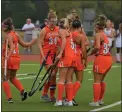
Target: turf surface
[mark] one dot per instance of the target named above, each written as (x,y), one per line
(84,96)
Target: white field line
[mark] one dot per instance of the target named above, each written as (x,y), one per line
(105,107)
(27,74)
(56,78)
(31,64)
(98,109)
(90,79)
(34,73)
(24,78)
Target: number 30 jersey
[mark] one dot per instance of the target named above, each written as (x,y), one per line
(50,40)
(104,46)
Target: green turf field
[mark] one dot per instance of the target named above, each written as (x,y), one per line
(84,96)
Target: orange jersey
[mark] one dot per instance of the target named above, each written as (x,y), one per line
(70,48)
(78,61)
(104,46)
(68,56)
(78,47)
(103,60)
(15,42)
(14,60)
(50,40)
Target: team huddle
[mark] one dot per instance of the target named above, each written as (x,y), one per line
(68,44)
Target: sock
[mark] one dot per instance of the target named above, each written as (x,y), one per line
(97,91)
(103,86)
(7,90)
(76,87)
(118,57)
(60,88)
(17,84)
(69,91)
(52,90)
(46,87)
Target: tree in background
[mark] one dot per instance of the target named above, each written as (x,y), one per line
(112,9)
(20,10)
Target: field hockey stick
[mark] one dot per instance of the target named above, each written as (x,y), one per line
(38,74)
(5,69)
(48,78)
(53,62)
(89,49)
(34,90)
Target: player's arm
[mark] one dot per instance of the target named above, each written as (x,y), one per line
(87,40)
(83,47)
(11,45)
(25,44)
(62,35)
(97,45)
(41,41)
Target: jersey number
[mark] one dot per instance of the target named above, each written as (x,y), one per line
(14,52)
(72,44)
(106,48)
(52,41)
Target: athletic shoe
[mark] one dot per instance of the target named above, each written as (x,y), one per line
(70,103)
(65,101)
(94,104)
(58,103)
(23,95)
(9,100)
(74,102)
(101,102)
(45,97)
(52,99)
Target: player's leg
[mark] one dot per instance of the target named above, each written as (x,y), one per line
(46,87)
(103,87)
(118,54)
(96,89)
(17,84)
(100,70)
(69,86)
(77,84)
(60,85)
(6,86)
(53,85)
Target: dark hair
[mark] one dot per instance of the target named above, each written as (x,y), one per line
(8,23)
(100,21)
(76,23)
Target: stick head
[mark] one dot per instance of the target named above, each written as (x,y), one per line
(30,94)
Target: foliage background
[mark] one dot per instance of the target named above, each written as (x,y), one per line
(20,10)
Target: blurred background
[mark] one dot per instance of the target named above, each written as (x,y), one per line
(20,10)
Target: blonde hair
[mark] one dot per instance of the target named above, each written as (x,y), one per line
(52,14)
(101,21)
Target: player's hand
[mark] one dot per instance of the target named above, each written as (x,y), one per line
(85,63)
(43,58)
(59,57)
(7,57)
